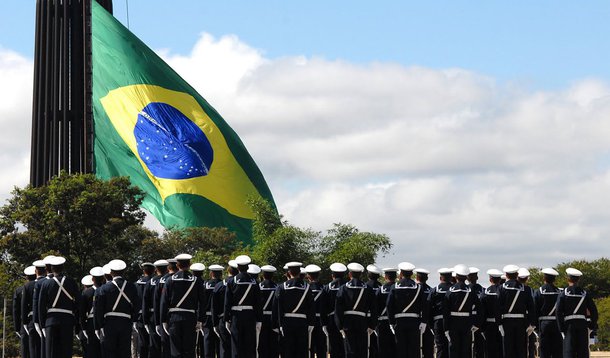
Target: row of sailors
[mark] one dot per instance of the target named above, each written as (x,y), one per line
(176,313)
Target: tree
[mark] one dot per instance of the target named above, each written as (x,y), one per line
(595,279)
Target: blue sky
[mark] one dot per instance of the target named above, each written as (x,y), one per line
(545,44)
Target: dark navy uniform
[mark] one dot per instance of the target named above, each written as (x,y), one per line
(58,304)
(435,303)
(92,347)
(143,336)
(211,343)
(165,346)
(373,347)
(35,309)
(489,305)
(461,310)
(218,317)
(115,308)
(574,305)
(181,308)
(268,341)
(479,341)
(336,347)
(318,338)
(27,317)
(531,338)
(242,309)
(385,338)
(545,299)
(293,313)
(148,316)
(428,335)
(355,314)
(515,313)
(407,309)
(18,324)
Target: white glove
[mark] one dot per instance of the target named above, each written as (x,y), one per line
(166,328)
(276,330)
(85,334)
(216,331)
(501,329)
(198,326)
(259,325)
(325,330)
(159,330)
(422,328)
(474,329)
(25,327)
(282,331)
(147,329)
(370,331)
(392,329)
(44,334)
(98,333)
(228,326)
(37,327)
(448,336)
(135,328)
(309,329)
(342,333)
(530,329)
(563,335)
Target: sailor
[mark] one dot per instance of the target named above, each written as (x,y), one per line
(115,312)
(92,347)
(35,297)
(516,314)
(373,273)
(143,338)
(294,313)
(318,338)
(427,349)
(148,311)
(218,316)
(460,317)
(197,269)
(81,335)
(479,341)
(574,305)
(21,325)
(254,270)
(165,346)
(407,312)
(268,339)
(242,310)
(385,338)
(107,274)
(58,304)
(27,319)
(356,313)
(523,276)
(302,273)
(334,340)
(211,343)
(489,304)
(182,309)
(545,300)
(435,303)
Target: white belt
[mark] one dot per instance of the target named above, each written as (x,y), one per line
(332,313)
(267,313)
(295,315)
(575,316)
(382,318)
(547,318)
(355,313)
(117,314)
(318,315)
(513,315)
(140,312)
(406,314)
(151,310)
(492,320)
(176,309)
(241,308)
(437,317)
(208,313)
(460,314)
(60,310)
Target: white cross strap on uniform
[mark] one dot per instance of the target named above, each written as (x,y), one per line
(302,299)
(582,299)
(315,299)
(121,294)
(514,301)
(243,298)
(268,300)
(60,290)
(414,299)
(464,300)
(187,293)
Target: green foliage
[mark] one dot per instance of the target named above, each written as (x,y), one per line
(595,279)
(603,332)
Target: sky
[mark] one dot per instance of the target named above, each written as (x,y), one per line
(469,132)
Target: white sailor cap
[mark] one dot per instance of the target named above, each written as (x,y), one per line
(268,268)
(243,260)
(117,265)
(550,271)
(473,270)
(183,257)
(373,269)
(232,263)
(511,269)
(146,264)
(253,269)
(573,272)
(503,277)
(171,261)
(389,269)
(87,280)
(161,263)
(47,259)
(284,267)
(355,267)
(338,267)
(106,269)
(39,263)
(293,264)
(302,270)
(494,273)
(57,261)
(445,270)
(523,272)
(312,268)
(97,271)
(29,271)
(461,270)
(198,266)
(421,271)
(406,266)
(215,267)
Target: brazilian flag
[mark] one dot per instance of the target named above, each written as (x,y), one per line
(153,127)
